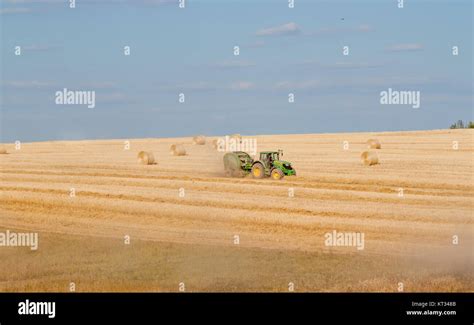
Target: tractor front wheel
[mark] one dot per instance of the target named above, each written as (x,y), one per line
(258,171)
(277,174)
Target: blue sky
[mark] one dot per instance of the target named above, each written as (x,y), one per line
(190,51)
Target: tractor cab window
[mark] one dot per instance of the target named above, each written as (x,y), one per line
(269,157)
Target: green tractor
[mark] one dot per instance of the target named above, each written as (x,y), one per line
(239,163)
(270,164)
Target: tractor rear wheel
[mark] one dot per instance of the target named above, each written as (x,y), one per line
(277,174)
(258,171)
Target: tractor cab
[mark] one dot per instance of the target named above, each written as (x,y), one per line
(268,157)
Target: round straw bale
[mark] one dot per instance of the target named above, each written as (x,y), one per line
(177,150)
(369,158)
(199,139)
(373,144)
(3,151)
(146,158)
(232,165)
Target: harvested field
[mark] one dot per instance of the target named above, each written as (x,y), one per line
(183,216)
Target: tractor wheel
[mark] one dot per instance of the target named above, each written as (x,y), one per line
(277,174)
(258,171)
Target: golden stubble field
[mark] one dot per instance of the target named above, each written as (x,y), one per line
(191,239)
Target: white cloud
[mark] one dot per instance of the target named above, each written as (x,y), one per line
(242,85)
(34,1)
(352,65)
(286,29)
(202,86)
(256,44)
(103,2)
(324,30)
(101,85)
(188,86)
(39,47)
(112,98)
(28,84)
(41,84)
(405,47)
(158,2)
(361,83)
(363,28)
(14,10)
(298,85)
(235,64)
